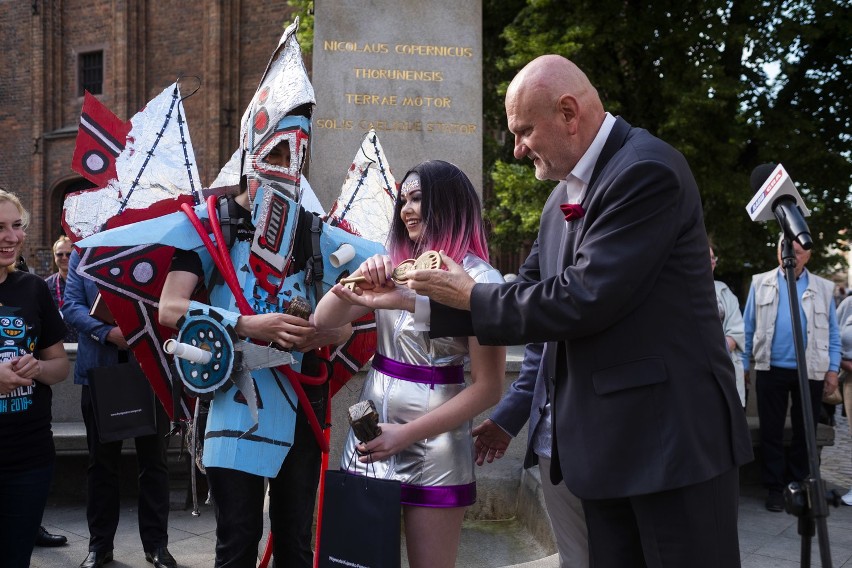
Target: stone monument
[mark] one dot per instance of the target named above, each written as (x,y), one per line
(409,69)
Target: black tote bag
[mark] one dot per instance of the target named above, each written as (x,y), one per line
(123,402)
(360,522)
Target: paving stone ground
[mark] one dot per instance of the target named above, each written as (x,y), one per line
(767,540)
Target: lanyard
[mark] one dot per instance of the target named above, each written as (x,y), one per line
(59,299)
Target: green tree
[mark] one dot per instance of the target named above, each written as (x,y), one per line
(699,75)
(512,204)
(305,10)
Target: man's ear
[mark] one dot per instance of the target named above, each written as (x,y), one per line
(569,108)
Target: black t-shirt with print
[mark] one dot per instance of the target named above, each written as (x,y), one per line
(29,321)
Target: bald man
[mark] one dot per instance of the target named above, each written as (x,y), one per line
(647,425)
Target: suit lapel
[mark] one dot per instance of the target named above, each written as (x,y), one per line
(564,248)
(613,144)
(552,233)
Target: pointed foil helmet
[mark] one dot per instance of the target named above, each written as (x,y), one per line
(276,126)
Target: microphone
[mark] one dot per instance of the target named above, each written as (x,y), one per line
(776,195)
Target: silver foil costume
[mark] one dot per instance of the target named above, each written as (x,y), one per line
(436,472)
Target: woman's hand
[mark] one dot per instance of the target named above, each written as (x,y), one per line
(391,297)
(27,367)
(390,442)
(343,305)
(10,380)
(377,270)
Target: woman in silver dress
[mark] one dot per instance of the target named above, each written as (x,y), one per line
(417,383)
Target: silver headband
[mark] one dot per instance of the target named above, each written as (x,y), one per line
(411,183)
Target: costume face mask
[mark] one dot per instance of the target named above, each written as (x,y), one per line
(278,156)
(275,131)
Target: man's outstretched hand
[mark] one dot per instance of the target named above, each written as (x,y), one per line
(451,287)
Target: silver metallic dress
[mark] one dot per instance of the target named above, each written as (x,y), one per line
(411,375)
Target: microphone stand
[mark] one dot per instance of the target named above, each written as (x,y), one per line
(808,500)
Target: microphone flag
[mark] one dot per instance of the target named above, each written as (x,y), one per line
(777,184)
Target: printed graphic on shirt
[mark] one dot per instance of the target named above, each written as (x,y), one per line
(15,340)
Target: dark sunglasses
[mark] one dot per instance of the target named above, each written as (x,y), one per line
(68,254)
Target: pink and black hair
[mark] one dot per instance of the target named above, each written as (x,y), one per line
(451,216)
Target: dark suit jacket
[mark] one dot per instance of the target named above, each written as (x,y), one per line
(644,393)
(524,400)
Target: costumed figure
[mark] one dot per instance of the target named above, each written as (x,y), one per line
(264,261)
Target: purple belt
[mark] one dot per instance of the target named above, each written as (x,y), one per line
(449,375)
(438,495)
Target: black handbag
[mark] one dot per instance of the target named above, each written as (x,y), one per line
(123,402)
(360,522)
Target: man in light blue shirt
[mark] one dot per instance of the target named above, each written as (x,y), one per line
(771,352)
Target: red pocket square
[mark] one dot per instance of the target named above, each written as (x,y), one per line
(572,211)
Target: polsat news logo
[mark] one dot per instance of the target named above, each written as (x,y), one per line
(767,191)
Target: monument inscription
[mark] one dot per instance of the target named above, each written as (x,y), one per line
(411,71)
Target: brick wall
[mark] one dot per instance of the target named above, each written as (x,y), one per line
(147,46)
(16,101)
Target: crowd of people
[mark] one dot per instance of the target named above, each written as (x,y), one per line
(635,401)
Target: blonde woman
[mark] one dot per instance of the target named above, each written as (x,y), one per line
(32,358)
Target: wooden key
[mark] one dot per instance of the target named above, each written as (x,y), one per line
(399,273)
(430,260)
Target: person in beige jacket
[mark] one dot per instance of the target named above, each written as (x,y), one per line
(770,351)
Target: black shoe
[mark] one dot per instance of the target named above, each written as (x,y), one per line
(96,559)
(775,502)
(161,558)
(44,538)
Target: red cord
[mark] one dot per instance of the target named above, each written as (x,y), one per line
(323,468)
(226,268)
(267,552)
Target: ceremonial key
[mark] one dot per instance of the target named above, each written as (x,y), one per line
(429,260)
(350,282)
(400,272)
